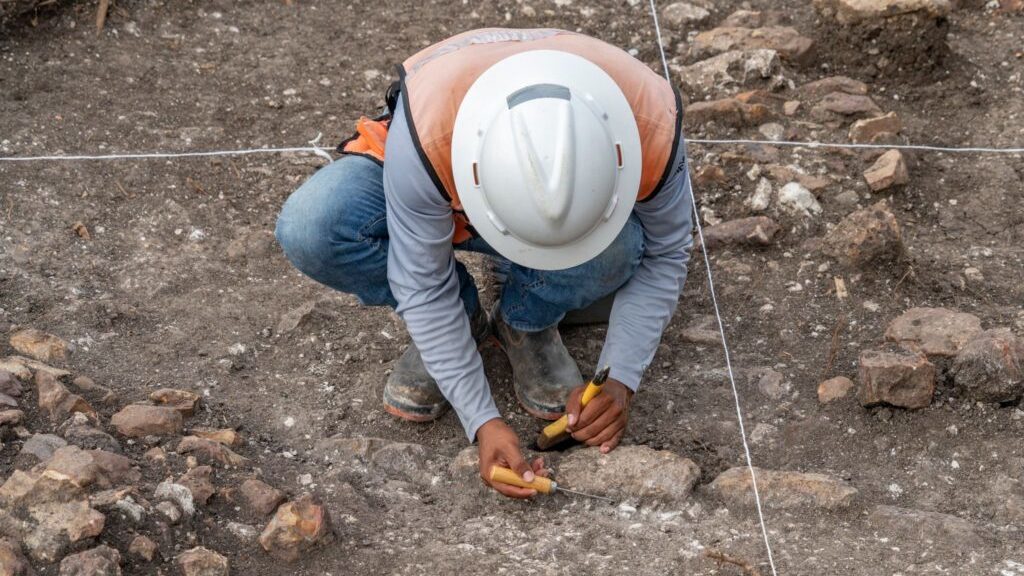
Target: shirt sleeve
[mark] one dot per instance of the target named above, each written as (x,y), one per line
(644,306)
(421,272)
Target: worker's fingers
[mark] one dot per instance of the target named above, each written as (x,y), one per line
(606,434)
(613,443)
(515,461)
(514,491)
(538,467)
(611,413)
(593,409)
(572,406)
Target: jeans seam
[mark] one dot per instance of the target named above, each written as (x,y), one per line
(363,234)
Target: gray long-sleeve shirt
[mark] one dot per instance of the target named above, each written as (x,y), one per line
(421,271)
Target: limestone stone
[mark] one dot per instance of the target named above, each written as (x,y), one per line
(259,497)
(39,345)
(630,472)
(933,331)
(136,420)
(890,169)
(734,68)
(201,561)
(864,237)
(98,561)
(782,489)
(990,367)
(870,130)
(834,389)
(787,41)
(798,200)
(753,231)
(904,379)
(296,527)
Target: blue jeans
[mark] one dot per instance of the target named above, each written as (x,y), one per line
(334,230)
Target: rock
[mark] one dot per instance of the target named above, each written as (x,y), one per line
(200,561)
(834,389)
(155,455)
(11,417)
(933,331)
(105,500)
(465,467)
(703,331)
(941,530)
(296,527)
(753,19)
(142,548)
(86,385)
(871,130)
(889,170)
(404,460)
(846,198)
(58,525)
(771,383)
(39,448)
(905,379)
(9,384)
(846,105)
(136,420)
(177,494)
(55,399)
(259,497)
(730,69)
(782,489)
(83,468)
(710,175)
(37,487)
(199,483)
(81,434)
(727,111)
(12,561)
(7,401)
(856,11)
(762,196)
(183,401)
(249,244)
(865,237)
(753,231)
(131,509)
(990,367)
(243,532)
(630,472)
(680,14)
(796,199)
(783,39)
(226,436)
(40,345)
(819,88)
(772,131)
(98,561)
(790,107)
(170,511)
(210,452)
(14,366)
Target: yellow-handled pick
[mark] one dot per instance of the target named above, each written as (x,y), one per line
(554,433)
(540,484)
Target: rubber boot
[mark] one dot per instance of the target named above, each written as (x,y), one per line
(543,372)
(410,392)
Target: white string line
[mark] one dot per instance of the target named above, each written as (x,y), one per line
(954,149)
(721,330)
(142,155)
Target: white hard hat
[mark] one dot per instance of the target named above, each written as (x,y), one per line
(546,158)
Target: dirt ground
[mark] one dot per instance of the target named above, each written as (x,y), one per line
(182,285)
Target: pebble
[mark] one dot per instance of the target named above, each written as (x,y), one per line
(865,237)
(296,527)
(834,389)
(260,498)
(990,367)
(142,548)
(170,511)
(797,199)
(772,131)
(762,196)
(200,561)
(933,331)
(889,170)
(782,489)
(871,130)
(183,401)
(904,379)
(137,420)
(244,532)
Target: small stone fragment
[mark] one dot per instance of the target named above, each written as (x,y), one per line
(753,231)
(856,11)
(727,111)
(210,451)
(834,389)
(137,420)
(865,237)
(823,86)
(183,401)
(12,561)
(178,494)
(200,561)
(870,129)
(889,170)
(9,384)
(990,367)
(630,472)
(39,345)
(904,379)
(846,105)
(199,483)
(684,14)
(259,497)
(169,511)
(55,399)
(296,527)
(771,383)
(99,561)
(142,548)
(790,107)
(796,199)
(244,532)
(226,436)
(789,43)
(933,331)
(156,455)
(782,489)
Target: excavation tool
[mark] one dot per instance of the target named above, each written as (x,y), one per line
(555,433)
(540,484)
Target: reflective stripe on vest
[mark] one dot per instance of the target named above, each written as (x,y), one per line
(436,79)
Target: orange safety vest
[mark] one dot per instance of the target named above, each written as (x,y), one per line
(436,79)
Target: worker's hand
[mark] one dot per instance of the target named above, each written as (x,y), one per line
(603,421)
(499,446)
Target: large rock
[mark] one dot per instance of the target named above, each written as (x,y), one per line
(920,527)
(904,379)
(630,472)
(98,561)
(856,11)
(990,367)
(12,561)
(865,237)
(933,331)
(728,112)
(39,448)
(137,420)
(789,43)
(876,129)
(56,400)
(735,68)
(83,468)
(296,527)
(58,525)
(259,497)
(782,489)
(39,345)
(890,169)
(201,561)
(754,231)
